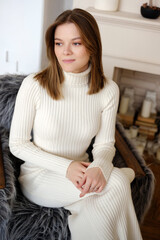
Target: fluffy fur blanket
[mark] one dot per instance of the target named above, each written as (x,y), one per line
(23,220)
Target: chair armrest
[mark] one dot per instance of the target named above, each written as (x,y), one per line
(128,155)
(2,175)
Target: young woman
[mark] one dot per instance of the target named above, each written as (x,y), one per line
(66,105)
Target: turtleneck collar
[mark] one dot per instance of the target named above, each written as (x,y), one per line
(77,79)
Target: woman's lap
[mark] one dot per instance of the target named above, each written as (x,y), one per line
(52,190)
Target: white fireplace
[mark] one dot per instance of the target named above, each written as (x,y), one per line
(129,41)
(131,47)
(131,57)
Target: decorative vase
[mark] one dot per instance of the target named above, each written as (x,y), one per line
(106,5)
(149,12)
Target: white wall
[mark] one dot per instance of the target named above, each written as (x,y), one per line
(22,27)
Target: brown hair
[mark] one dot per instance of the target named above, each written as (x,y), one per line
(52,77)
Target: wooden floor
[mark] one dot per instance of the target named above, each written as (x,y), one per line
(151,225)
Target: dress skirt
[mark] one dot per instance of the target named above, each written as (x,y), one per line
(108,215)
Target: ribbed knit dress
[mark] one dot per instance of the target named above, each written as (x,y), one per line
(62,131)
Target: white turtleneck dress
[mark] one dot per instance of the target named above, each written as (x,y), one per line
(62,132)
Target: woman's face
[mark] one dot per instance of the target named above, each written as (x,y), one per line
(71,54)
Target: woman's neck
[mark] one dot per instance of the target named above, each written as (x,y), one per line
(77,79)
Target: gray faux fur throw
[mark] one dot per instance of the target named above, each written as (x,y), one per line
(9,86)
(23,220)
(19,218)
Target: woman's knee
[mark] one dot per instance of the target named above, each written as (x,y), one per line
(119,182)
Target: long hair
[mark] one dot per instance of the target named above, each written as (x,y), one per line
(52,77)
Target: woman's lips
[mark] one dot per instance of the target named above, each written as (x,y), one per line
(68,60)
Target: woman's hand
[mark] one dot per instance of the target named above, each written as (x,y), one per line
(76,171)
(92,181)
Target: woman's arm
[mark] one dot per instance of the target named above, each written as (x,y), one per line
(103,148)
(99,170)
(27,103)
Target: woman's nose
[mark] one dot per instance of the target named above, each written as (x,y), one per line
(67,50)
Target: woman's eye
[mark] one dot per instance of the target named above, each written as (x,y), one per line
(58,44)
(77,44)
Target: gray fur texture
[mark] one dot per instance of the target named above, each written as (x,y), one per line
(7,195)
(23,220)
(19,218)
(9,86)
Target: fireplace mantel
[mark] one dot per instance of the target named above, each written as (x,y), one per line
(129,41)
(126,19)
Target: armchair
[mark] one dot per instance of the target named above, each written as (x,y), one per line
(23,220)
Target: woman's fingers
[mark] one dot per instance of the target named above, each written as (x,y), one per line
(95,181)
(82,166)
(86,188)
(93,189)
(80,175)
(86,164)
(75,170)
(86,180)
(82,182)
(99,189)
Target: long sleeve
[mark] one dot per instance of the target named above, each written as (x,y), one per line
(103,148)
(27,103)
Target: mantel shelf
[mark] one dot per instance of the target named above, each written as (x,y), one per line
(126,19)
